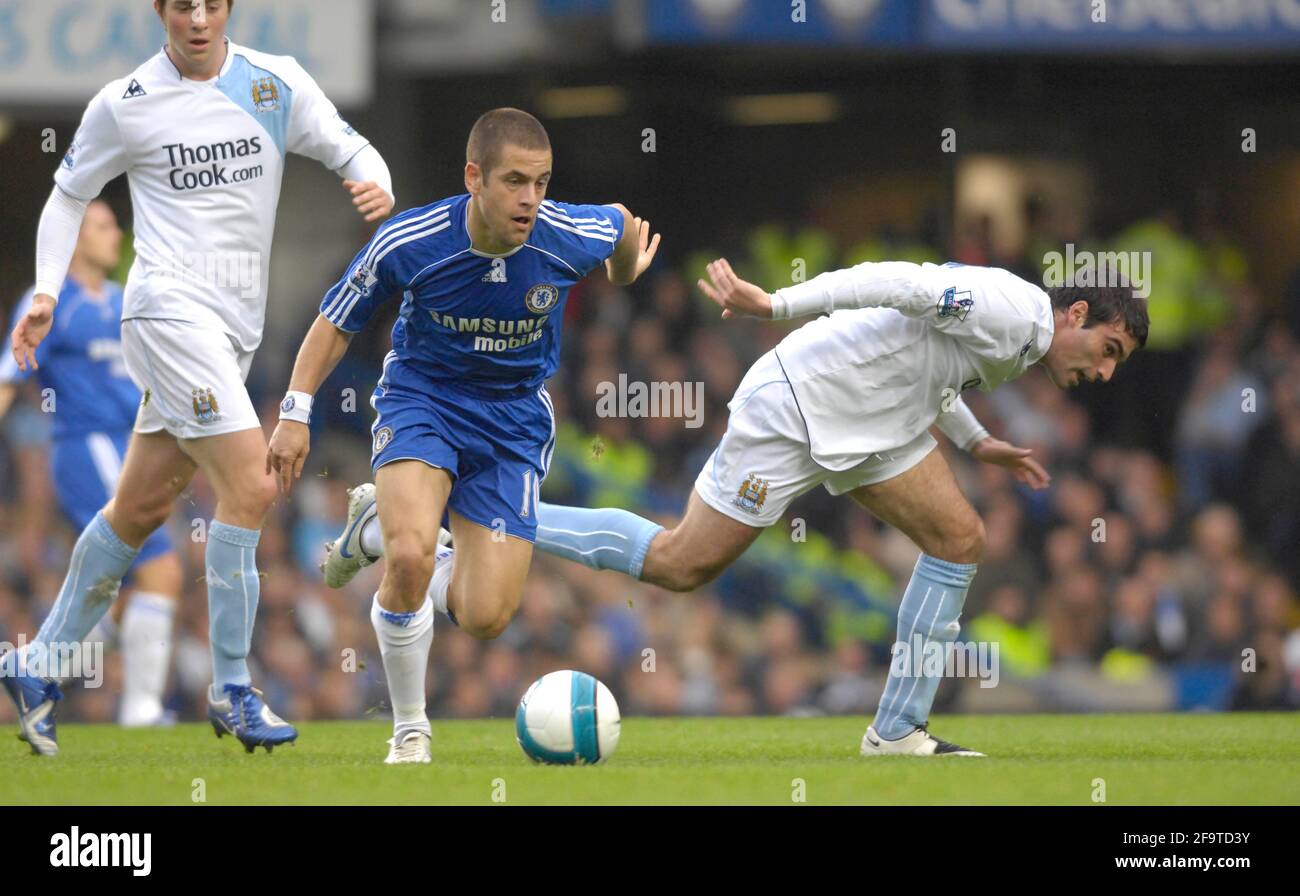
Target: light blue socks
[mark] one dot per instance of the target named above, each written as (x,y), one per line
(927,624)
(233,588)
(99,561)
(602,539)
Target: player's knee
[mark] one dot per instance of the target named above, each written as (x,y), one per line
(692,573)
(261,495)
(134,517)
(409,560)
(485,629)
(965,545)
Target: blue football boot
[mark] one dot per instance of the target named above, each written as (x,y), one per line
(242,712)
(35,698)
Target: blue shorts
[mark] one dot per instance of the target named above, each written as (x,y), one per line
(497,450)
(85,470)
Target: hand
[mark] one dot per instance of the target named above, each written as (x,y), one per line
(645,247)
(1017,460)
(371,200)
(31,330)
(736,296)
(287,452)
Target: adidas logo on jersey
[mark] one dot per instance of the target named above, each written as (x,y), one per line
(498,272)
(133,90)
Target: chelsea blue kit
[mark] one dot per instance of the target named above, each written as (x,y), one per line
(91,400)
(476,338)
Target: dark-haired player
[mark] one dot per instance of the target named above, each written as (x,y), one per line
(463,421)
(846,401)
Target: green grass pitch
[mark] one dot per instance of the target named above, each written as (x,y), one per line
(1039,759)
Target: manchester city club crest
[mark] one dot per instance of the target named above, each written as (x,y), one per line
(752,493)
(205,405)
(542,298)
(383,436)
(266,95)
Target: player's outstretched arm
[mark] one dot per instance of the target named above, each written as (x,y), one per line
(321,351)
(736,296)
(634,252)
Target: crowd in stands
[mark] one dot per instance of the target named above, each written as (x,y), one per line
(1167,544)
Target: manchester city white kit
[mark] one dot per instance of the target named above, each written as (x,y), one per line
(847,399)
(204,160)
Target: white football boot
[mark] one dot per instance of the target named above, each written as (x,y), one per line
(919,743)
(415,747)
(344,557)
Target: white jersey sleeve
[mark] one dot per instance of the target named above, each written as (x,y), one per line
(991,312)
(316,130)
(97,154)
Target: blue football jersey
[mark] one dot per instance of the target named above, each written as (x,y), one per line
(489,324)
(81,360)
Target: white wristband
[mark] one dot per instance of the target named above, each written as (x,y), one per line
(780,308)
(296,407)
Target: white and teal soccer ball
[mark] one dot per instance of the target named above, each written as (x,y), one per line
(567,718)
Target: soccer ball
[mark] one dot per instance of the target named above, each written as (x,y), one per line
(567,718)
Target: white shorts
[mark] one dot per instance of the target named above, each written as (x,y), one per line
(763,461)
(192,378)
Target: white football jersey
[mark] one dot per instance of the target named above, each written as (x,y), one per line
(204,161)
(875,377)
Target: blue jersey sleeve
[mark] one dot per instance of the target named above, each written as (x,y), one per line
(588,233)
(9,371)
(371,280)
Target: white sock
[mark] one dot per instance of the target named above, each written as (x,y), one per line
(404,642)
(441,580)
(372,538)
(146,653)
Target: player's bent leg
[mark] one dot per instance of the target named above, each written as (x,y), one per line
(410,496)
(599,538)
(486,578)
(146,638)
(698,549)
(153,474)
(925,503)
(683,558)
(235,464)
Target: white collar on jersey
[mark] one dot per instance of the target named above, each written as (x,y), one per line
(225,66)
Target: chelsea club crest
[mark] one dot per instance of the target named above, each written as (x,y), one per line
(542,298)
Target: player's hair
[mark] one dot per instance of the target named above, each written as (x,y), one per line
(1106,305)
(498,128)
